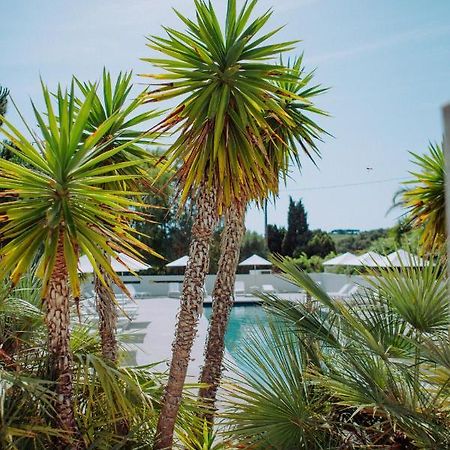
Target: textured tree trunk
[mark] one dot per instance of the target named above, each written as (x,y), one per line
(58,322)
(107,316)
(107,328)
(223,298)
(191,304)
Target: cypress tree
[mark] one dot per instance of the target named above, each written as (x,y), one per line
(3,102)
(275,237)
(297,234)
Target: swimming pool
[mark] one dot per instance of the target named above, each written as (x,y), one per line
(243,319)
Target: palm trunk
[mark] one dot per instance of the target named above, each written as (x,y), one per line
(223,298)
(191,303)
(107,316)
(58,322)
(107,329)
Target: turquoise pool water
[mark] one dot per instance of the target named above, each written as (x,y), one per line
(240,326)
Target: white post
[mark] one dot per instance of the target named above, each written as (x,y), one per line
(446,117)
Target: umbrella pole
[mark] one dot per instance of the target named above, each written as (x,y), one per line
(446,117)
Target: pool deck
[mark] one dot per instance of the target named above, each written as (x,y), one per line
(154,326)
(161,312)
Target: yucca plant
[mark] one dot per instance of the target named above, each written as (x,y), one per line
(56,210)
(226,79)
(105,396)
(204,439)
(423,196)
(285,142)
(113,102)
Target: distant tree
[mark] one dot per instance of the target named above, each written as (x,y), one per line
(253,243)
(400,235)
(359,242)
(400,231)
(275,238)
(3,107)
(5,144)
(3,102)
(384,245)
(179,233)
(313,264)
(321,244)
(168,231)
(297,234)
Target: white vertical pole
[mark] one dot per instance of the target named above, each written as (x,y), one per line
(446,117)
(266,230)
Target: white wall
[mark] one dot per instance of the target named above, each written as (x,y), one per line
(158,285)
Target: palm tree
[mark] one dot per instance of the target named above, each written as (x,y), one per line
(228,87)
(55,210)
(370,371)
(113,103)
(423,196)
(102,392)
(284,146)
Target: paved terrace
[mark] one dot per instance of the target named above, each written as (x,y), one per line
(153,313)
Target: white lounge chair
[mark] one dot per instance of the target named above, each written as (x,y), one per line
(342,291)
(121,297)
(353,291)
(347,290)
(126,304)
(268,289)
(131,289)
(174,290)
(239,288)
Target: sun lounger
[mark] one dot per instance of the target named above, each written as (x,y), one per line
(136,325)
(353,291)
(268,289)
(342,292)
(131,289)
(346,291)
(239,288)
(129,358)
(174,290)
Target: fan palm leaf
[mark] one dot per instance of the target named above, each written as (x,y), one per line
(274,405)
(385,370)
(417,295)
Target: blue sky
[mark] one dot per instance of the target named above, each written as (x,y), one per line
(387,64)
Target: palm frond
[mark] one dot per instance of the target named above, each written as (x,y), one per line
(378,359)
(423,196)
(274,405)
(53,189)
(228,84)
